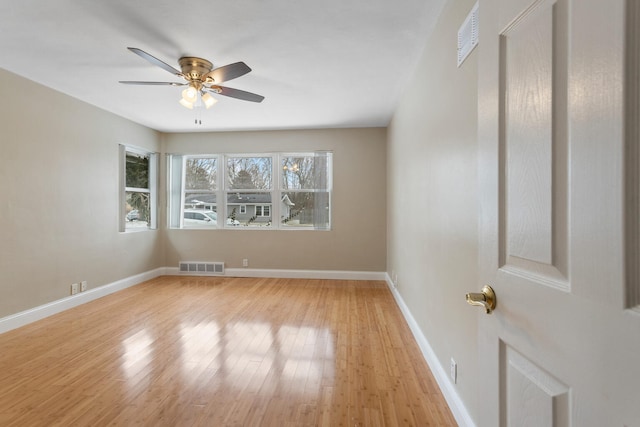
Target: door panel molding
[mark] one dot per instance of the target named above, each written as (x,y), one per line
(534,145)
(532,395)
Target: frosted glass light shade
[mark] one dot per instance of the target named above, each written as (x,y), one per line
(190,94)
(186,104)
(208,100)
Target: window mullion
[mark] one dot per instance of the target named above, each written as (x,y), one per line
(153,191)
(275,191)
(183,181)
(122,211)
(221,197)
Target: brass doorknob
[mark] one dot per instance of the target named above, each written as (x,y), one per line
(486,299)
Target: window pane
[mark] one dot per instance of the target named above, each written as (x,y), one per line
(136,170)
(305,209)
(257,209)
(200,174)
(249,173)
(138,210)
(304,172)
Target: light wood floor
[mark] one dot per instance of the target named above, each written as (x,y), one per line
(179,351)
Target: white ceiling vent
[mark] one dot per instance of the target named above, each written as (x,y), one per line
(201,268)
(468,35)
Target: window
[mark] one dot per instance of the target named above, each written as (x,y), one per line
(138,198)
(200,178)
(263,210)
(258,191)
(200,191)
(193,185)
(305,190)
(249,182)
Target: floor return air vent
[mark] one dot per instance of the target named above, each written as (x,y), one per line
(201,268)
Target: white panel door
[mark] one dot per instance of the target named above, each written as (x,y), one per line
(559,218)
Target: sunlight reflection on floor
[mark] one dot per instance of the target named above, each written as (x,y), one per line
(247,354)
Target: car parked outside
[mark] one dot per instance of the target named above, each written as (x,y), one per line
(203,218)
(133,215)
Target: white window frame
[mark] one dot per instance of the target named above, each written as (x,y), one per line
(152,190)
(328,190)
(176,190)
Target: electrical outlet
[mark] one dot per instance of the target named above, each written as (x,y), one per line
(454,371)
(74,288)
(83,286)
(395,280)
(245,262)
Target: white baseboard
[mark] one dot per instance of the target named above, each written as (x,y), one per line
(37,313)
(294,274)
(456,405)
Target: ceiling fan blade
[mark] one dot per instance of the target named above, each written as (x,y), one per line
(155,61)
(239,94)
(227,72)
(129,82)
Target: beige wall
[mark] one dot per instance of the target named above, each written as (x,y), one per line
(357,240)
(432,241)
(59,200)
(59,197)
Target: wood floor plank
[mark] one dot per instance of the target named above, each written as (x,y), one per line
(203,351)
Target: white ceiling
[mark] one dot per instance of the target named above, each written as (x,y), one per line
(335,63)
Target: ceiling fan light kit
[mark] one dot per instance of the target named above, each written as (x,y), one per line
(201,79)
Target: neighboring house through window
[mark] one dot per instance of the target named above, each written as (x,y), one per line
(249,182)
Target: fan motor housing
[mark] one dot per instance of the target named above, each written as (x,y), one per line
(194,67)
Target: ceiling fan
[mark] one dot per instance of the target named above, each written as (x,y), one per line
(200,78)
